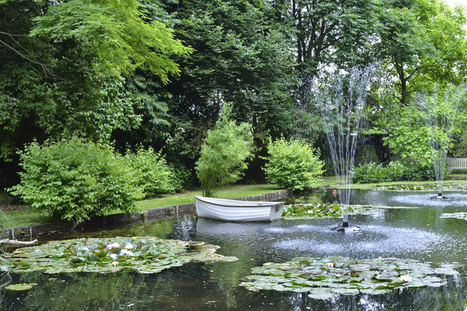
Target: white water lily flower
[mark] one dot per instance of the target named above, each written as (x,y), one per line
(112,245)
(129,253)
(129,246)
(113,256)
(115,263)
(405,278)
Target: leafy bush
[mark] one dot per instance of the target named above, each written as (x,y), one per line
(181,176)
(155,176)
(394,171)
(76,179)
(375,172)
(418,172)
(224,153)
(293,165)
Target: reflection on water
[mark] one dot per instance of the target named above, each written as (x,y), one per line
(416,233)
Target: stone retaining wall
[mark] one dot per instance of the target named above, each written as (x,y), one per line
(32,232)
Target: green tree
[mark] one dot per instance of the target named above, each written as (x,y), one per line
(293,165)
(423,43)
(420,132)
(241,56)
(326,33)
(120,33)
(62,65)
(224,152)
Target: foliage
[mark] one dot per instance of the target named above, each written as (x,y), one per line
(423,43)
(324,278)
(224,152)
(315,210)
(293,165)
(408,136)
(61,71)
(242,56)
(375,172)
(148,255)
(365,154)
(76,179)
(155,175)
(327,32)
(394,171)
(120,34)
(181,177)
(460,149)
(406,187)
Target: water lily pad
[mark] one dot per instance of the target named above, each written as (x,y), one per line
(325,277)
(20,287)
(321,294)
(144,255)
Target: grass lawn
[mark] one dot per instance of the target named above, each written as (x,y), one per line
(19,215)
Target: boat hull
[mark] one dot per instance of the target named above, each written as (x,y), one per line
(236,210)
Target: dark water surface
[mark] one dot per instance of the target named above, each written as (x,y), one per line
(417,233)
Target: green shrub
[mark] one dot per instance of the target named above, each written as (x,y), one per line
(368,173)
(224,153)
(76,179)
(293,165)
(155,175)
(181,177)
(419,172)
(394,171)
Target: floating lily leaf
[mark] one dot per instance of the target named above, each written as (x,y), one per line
(374,291)
(325,277)
(143,255)
(346,291)
(446,270)
(20,287)
(321,294)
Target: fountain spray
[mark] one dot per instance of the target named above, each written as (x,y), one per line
(440,114)
(342,101)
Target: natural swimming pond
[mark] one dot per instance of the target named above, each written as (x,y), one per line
(414,232)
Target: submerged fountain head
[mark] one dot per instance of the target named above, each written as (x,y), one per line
(346,228)
(440,196)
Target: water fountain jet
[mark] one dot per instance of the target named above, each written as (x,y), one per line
(440,114)
(342,104)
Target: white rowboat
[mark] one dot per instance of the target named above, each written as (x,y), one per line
(236,210)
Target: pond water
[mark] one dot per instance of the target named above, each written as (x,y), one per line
(416,233)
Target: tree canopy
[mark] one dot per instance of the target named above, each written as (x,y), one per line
(155,73)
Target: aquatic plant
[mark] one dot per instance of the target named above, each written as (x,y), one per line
(146,255)
(323,210)
(323,278)
(313,210)
(406,187)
